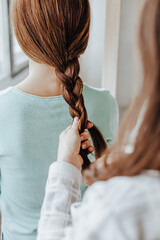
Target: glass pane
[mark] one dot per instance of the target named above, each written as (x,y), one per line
(1,40)
(4,41)
(19,57)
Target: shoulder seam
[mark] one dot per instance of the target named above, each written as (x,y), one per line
(102,90)
(5,91)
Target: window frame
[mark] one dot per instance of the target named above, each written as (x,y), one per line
(110,64)
(5,36)
(13,70)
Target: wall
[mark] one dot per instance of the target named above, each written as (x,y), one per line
(92,59)
(129,77)
(111,58)
(112,31)
(126,52)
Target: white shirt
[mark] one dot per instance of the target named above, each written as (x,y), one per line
(123,208)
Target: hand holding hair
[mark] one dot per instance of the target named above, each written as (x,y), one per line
(70,143)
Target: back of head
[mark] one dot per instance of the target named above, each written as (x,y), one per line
(56,33)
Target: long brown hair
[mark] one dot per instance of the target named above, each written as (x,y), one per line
(137,151)
(56,32)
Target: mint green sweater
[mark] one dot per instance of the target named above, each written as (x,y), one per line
(29,132)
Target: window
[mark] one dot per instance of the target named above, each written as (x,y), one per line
(18,59)
(12,58)
(4,44)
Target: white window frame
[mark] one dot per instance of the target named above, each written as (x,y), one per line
(12,69)
(110,64)
(5,38)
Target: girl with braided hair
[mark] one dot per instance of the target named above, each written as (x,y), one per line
(53,34)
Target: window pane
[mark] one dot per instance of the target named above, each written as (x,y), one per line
(19,57)
(19,60)
(4,44)
(1,41)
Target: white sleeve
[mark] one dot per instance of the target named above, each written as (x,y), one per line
(94,218)
(62,189)
(109,210)
(64,217)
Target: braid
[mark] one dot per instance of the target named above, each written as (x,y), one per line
(72,93)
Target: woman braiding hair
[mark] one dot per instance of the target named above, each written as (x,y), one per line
(59,47)
(124,201)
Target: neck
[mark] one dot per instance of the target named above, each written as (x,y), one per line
(42,81)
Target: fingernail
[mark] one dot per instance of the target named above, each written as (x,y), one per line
(87,173)
(83,145)
(82,138)
(76,119)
